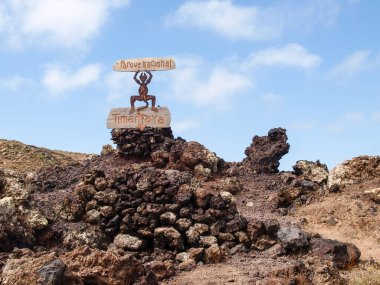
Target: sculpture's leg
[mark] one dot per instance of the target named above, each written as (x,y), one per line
(133,100)
(153,98)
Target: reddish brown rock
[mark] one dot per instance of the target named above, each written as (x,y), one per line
(255,229)
(192,154)
(341,254)
(168,237)
(265,152)
(356,170)
(161,269)
(313,171)
(213,254)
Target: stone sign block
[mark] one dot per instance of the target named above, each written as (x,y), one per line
(141,64)
(121,118)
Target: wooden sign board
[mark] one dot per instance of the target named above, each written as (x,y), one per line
(141,64)
(120,118)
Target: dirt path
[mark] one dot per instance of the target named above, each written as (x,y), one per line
(348,216)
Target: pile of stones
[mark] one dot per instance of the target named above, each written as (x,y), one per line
(142,142)
(143,210)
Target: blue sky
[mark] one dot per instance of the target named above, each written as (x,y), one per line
(243,67)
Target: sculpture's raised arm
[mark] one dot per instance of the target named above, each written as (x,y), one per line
(135,78)
(150,77)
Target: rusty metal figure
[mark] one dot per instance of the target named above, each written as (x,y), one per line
(143,92)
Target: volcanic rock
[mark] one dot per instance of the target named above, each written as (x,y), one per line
(36,220)
(84,236)
(201,172)
(313,171)
(161,269)
(213,254)
(182,256)
(293,238)
(144,142)
(183,224)
(192,154)
(207,241)
(3,182)
(196,253)
(168,218)
(7,208)
(52,272)
(13,185)
(168,237)
(187,265)
(311,270)
(230,184)
(93,216)
(128,242)
(341,254)
(265,152)
(255,229)
(356,170)
(271,227)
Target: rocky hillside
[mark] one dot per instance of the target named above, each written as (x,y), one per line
(23,158)
(160,210)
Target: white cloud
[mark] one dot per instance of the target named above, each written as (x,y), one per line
(290,55)
(204,84)
(353,64)
(68,23)
(234,21)
(58,80)
(223,17)
(119,86)
(194,82)
(185,125)
(12,83)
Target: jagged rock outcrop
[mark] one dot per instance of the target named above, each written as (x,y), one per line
(265,152)
(354,171)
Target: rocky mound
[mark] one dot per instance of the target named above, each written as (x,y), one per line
(356,170)
(143,209)
(155,206)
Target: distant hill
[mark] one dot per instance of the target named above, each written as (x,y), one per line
(24,158)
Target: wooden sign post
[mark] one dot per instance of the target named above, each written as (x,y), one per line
(157,117)
(141,64)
